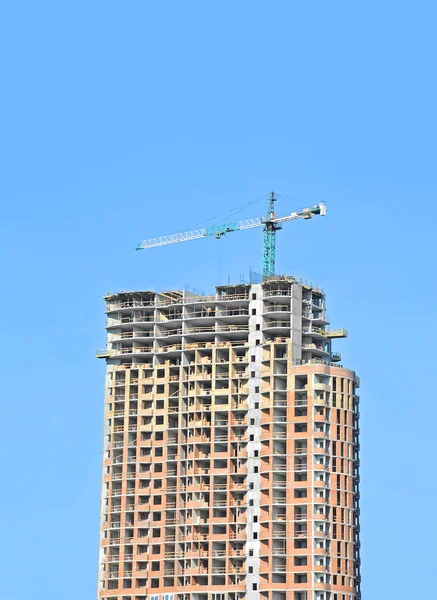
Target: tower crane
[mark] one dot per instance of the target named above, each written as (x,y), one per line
(270,222)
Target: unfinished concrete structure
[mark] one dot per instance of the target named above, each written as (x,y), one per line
(230,462)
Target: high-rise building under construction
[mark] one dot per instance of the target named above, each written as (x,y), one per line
(230,461)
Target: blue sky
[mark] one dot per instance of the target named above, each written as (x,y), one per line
(127,120)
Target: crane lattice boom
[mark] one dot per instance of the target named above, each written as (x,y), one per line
(214,231)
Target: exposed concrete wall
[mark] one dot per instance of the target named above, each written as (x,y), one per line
(254,416)
(296,321)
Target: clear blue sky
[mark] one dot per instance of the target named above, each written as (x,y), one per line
(127,120)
